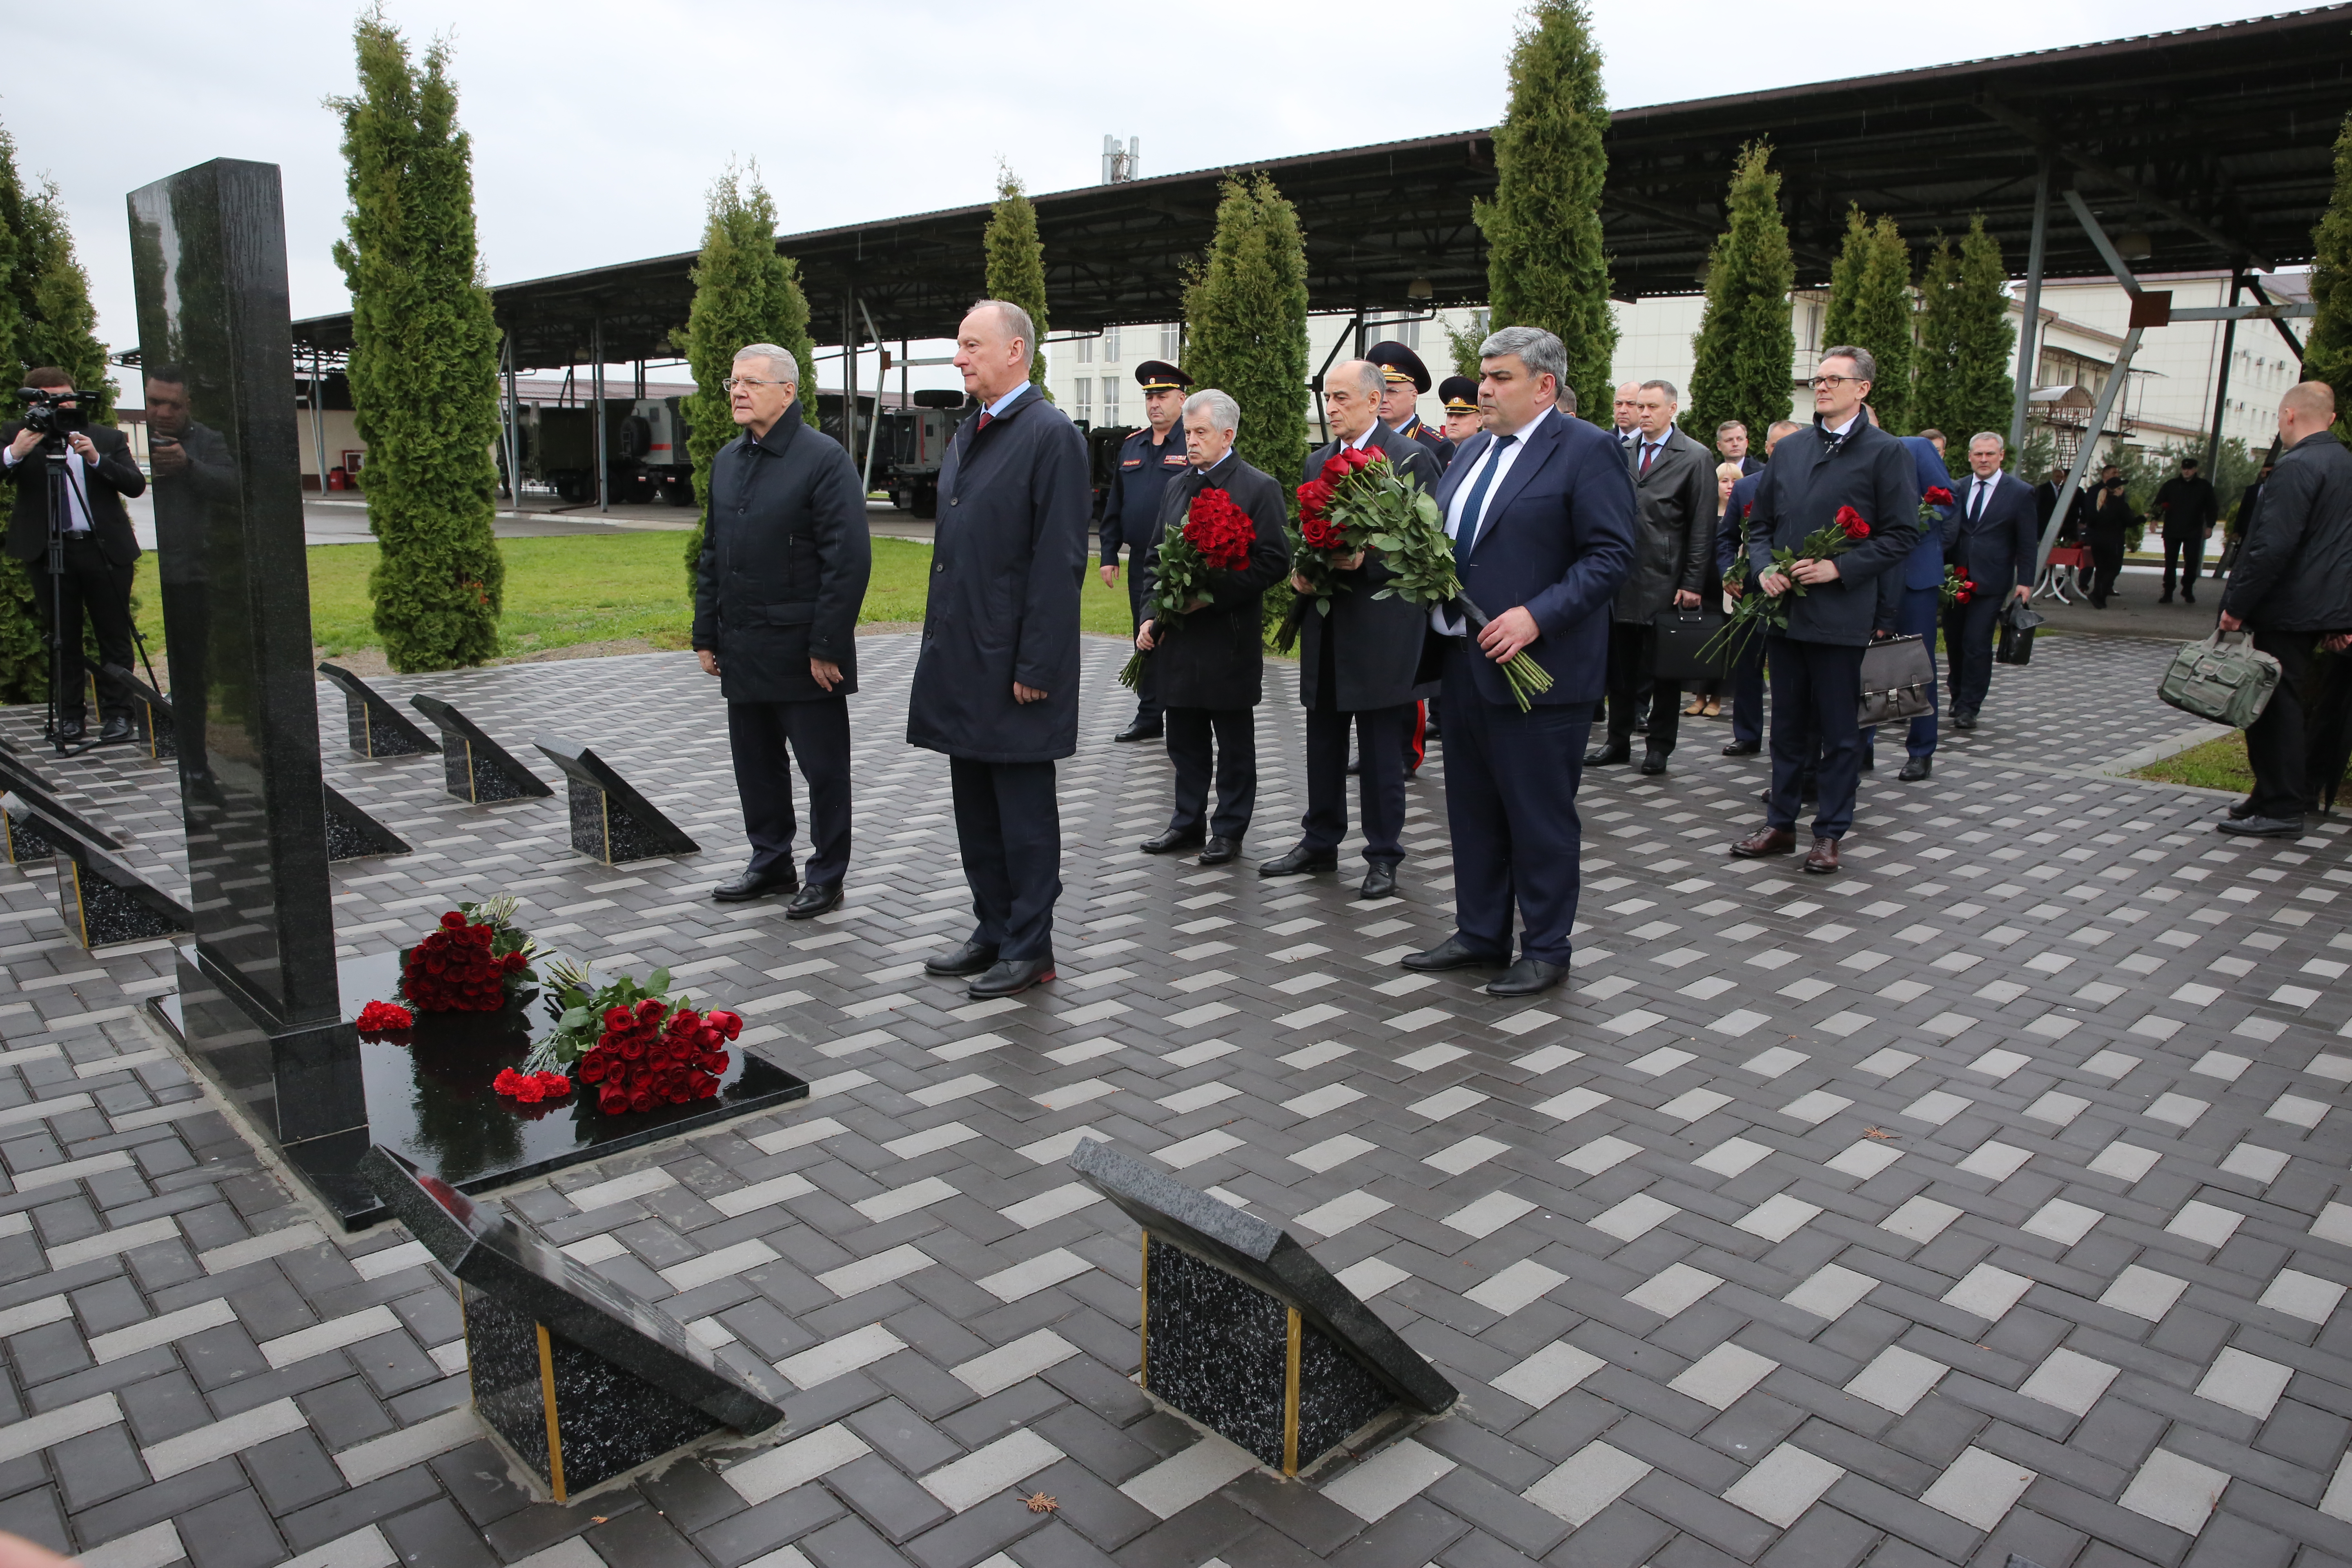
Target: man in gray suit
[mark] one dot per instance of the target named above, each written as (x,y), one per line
(1673,534)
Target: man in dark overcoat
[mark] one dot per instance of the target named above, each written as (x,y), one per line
(1844,460)
(1146,461)
(1357,665)
(996,683)
(1540,509)
(1211,658)
(1673,534)
(777,590)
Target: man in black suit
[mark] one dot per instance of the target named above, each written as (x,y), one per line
(996,683)
(1990,534)
(2188,507)
(1541,512)
(99,550)
(2234,536)
(2107,523)
(1357,665)
(1845,460)
(1628,423)
(777,590)
(1211,658)
(1731,446)
(1146,461)
(1673,534)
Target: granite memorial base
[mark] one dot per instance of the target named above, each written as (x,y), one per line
(152,727)
(1247,1334)
(475,768)
(581,1384)
(104,902)
(375,727)
(354,835)
(610,820)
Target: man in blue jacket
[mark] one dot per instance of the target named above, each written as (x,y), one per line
(1994,537)
(1540,510)
(996,683)
(1843,464)
(1913,597)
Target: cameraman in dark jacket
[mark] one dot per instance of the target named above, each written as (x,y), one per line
(99,550)
(776,595)
(2292,586)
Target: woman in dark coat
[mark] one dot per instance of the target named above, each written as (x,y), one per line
(1209,662)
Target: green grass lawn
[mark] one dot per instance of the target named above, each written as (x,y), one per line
(2216,765)
(598,588)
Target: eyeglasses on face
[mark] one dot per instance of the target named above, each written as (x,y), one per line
(732,382)
(1831,383)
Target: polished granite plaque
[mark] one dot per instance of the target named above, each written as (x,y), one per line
(610,820)
(475,768)
(374,727)
(352,833)
(579,1382)
(1245,1333)
(103,901)
(153,729)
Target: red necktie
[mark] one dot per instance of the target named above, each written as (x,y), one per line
(984,417)
(1649,454)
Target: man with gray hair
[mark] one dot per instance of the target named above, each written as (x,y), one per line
(777,590)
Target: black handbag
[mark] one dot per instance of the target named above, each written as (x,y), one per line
(1896,675)
(2015,643)
(1676,637)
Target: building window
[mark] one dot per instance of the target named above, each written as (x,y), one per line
(1086,347)
(1110,346)
(1172,341)
(1111,400)
(1082,407)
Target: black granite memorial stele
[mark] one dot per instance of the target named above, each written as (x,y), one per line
(152,728)
(1245,1333)
(104,902)
(354,834)
(376,727)
(610,820)
(580,1384)
(474,767)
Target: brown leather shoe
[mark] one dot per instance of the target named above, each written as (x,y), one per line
(1824,857)
(1771,841)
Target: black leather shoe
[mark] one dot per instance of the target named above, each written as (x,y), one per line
(1174,838)
(1451,954)
(1139,730)
(1653,762)
(1607,756)
(113,730)
(1011,976)
(813,901)
(1742,748)
(1527,977)
(2263,827)
(1870,762)
(2242,810)
(1967,720)
(2187,599)
(1915,769)
(747,887)
(2164,599)
(970,958)
(1380,880)
(68,730)
(1300,862)
(1221,851)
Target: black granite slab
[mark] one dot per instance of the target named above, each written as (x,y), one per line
(1266,1257)
(610,820)
(354,835)
(376,728)
(153,730)
(103,902)
(475,768)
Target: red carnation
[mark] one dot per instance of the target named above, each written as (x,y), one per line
(1850,522)
(381,1017)
(1937,496)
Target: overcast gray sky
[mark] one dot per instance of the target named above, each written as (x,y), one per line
(597,126)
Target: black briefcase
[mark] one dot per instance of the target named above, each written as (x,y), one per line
(1676,637)
(2015,643)
(1896,675)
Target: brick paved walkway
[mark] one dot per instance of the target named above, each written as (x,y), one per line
(1982,1199)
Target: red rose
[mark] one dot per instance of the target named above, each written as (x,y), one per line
(649,1009)
(1314,499)
(1937,496)
(706,1089)
(514,960)
(453,920)
(728,1024)
(641,1098)
(1850,522)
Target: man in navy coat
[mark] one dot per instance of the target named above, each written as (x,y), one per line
(1913,597)
(1730,542)
(1993,537)
(1540,510)
(996,683)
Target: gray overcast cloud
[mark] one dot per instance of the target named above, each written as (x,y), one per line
(597,126)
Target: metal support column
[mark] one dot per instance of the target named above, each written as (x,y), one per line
(2222,382)
(849,375)
(2028,332)
(2106,403)
(603,469)
(873,425)
(319,416)
(514,432)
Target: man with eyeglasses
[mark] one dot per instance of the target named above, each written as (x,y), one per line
(777,590)
(1833,605)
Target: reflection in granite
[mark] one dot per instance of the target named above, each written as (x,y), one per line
(475,768)
(152,727)
(352,833)
(104,902)
(1215,1348)
(374,726)
(611,821)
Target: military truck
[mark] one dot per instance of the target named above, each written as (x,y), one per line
(644,449)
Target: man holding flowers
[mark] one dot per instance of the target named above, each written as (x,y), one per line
(1540,508)
(1212,551)
(1838,506)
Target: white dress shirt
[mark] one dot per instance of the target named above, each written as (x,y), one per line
(77,488)
(1501,457)
(1977,488)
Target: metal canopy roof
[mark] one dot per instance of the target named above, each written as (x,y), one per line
(2217,142)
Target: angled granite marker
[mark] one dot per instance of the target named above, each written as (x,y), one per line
(375,727)
(610,820)
(354,834)
(474,767)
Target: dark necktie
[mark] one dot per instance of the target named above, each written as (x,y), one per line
(1465,533)
(1649,454)
(1976,502)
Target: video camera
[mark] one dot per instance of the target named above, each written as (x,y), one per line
(55,412)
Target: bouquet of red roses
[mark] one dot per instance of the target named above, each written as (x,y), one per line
(1217,536)
(469,961)
(1336,520)
(644,1058)
(1931,507)
(1957,587)
(1760,610)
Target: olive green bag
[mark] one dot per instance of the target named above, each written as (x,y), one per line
(2228,681)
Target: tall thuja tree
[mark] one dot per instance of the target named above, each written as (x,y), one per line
(1870,307)
(1545,262)
(23,675)
(1245,332)
(1743,349)
(423,362)
(1965,339)
(743,293)
(1016,261)
(2328,354)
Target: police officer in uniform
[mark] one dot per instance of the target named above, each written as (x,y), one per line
(1460,395)
(1407,379)
(1146,461)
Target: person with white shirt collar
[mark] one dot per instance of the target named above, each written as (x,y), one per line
(1628,418)
(1540,510)
(1993,536)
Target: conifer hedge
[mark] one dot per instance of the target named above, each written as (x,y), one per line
(424,357)
(1966,341)
(1016,261)
(1745,348)
(2327,353)
(1870,307)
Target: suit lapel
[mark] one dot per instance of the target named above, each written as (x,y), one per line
(1541,440)
(1463,461)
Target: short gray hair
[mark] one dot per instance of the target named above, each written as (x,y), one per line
(1371,379)
(1998,439)
(1668,387)
(1565,400)
(1864,364)
(1223,411)
(1539,349)
(1015,320)
(781,363)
